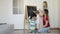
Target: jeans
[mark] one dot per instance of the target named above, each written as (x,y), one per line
(44,30)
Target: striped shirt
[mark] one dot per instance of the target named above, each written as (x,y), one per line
(32,25)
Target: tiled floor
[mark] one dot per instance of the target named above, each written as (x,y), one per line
(22,32)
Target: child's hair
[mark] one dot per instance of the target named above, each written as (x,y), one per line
(37,11)
(34,15)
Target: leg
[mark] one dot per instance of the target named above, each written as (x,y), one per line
(32,31)
(44,30)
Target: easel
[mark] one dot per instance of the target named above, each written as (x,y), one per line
(26,22)
(26,19)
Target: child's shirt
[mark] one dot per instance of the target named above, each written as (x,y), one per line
(32,24)
(39,21)
(44,21)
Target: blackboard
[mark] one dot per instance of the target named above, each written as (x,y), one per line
(30,10)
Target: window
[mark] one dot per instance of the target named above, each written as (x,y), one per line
(17,7)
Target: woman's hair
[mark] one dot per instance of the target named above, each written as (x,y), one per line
(45,3)
(46,11)
(33,15)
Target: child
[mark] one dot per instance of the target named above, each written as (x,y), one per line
(32,23)
(39,19)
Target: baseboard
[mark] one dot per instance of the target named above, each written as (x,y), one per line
(50,28)
(55,28)
(59,28)
(19,29)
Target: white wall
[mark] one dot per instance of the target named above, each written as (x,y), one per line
(6,12)
(4,8)
(59,12)
(53,12)
(37,3)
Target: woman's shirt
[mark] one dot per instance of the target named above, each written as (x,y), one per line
(44,21)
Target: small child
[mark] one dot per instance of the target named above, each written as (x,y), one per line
(32,23)
(39,19)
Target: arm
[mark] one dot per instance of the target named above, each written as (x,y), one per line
(47,21)
(41,13)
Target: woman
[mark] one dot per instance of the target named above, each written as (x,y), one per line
(46,24)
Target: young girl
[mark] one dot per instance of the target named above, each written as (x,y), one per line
(39,20)
(32,23)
